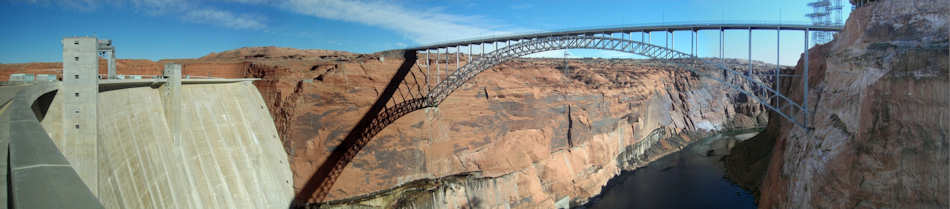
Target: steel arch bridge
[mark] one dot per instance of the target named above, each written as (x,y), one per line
(412,87)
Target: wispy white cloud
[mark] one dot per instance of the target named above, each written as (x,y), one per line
(81,5)
(158,7)
(421,26)
(522,5)
(224,18)
(191,11)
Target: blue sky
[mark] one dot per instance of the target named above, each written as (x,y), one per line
(163,29)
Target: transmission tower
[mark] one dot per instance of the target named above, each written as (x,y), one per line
(826,12)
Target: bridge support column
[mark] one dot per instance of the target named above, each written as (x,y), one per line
(80,93)
(446,53)
(666,39)
(721,40)
(778,67)
(672,40)
(427,70)
(650,36)
(438,58)
(805,85)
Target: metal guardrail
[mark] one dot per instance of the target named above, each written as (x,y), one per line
(649,27)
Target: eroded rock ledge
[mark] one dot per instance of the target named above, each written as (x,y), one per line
(880,139)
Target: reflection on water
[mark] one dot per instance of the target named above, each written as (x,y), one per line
(684,179)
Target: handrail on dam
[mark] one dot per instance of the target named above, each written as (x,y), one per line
(39,175)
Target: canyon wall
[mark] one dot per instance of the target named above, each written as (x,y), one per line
(879,92)
(521,135)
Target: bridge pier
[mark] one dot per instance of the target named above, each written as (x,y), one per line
(428,69)
(805,85)
(721,40)
(778,68)
(666,39)
(692,42)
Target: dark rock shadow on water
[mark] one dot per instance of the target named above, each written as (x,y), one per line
(689,178)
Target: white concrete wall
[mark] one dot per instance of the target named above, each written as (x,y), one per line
(80,85)
(229,156)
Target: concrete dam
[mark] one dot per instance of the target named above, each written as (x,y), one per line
(166,142)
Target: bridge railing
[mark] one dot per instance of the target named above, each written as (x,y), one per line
(621,27)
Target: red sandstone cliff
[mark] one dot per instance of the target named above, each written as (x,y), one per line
(880,98)
(521,135)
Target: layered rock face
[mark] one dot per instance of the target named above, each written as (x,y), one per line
(523,134)
(880,98)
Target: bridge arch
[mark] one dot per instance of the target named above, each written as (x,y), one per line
(383,114)
(707,69)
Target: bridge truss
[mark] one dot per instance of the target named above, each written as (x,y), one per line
(416,85)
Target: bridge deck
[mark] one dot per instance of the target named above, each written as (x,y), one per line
(630,29)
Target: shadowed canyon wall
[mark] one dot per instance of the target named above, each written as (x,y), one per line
(879,92)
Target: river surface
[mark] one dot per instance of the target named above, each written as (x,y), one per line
(684,179)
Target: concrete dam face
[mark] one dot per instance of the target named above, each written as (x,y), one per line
(228,154)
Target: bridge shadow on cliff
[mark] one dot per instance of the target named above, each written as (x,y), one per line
(376,118)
